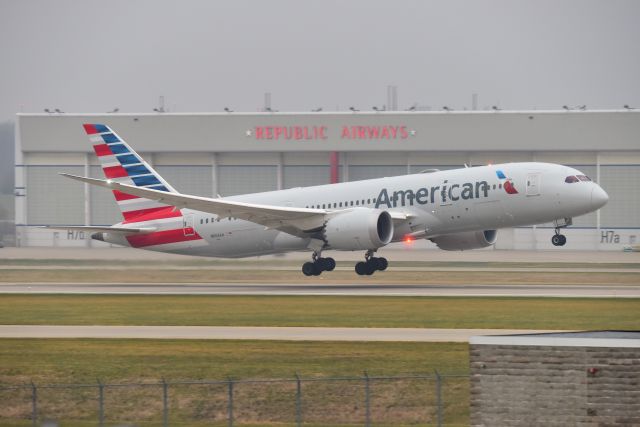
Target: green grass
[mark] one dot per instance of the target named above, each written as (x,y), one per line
(96,275)
(326,311)
(84,360)
(325,403)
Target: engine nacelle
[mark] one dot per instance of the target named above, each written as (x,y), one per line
(359,228)
(466,240)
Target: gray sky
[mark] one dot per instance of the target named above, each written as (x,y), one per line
(92,56)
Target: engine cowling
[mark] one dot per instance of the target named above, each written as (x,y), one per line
(466,240)
(359,228)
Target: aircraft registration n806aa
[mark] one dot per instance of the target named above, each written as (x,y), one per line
(457,209)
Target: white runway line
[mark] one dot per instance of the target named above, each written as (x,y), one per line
(301,289)
(253,333)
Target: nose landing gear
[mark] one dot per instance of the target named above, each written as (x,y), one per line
(371,264)
(558,239)
(318,265)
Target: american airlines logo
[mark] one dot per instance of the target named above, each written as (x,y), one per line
(313,133)
(436,194)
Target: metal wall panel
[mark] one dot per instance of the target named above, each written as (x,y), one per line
(305,176)
(622,183)
(104,210)
(235,180)
(195,180)
(358,172)
(53,199)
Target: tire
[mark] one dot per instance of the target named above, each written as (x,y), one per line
(329,264)
(371,267)
(361,268)
(382,264)
(308,268)
(563,240)
(317,268)
(556,239)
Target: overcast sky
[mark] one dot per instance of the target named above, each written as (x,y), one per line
(93,56)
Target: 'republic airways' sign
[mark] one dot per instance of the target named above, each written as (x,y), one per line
(312,133)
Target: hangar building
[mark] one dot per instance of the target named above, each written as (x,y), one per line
(234,153)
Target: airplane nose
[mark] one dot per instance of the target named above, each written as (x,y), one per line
(599,197)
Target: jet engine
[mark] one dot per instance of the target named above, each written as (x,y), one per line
(359,228)
(466,240)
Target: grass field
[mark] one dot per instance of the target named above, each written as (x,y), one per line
(130,361)
(326,311)
(185,275)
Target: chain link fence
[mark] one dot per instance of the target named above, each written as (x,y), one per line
(425,400)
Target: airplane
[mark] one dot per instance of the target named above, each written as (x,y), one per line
(457,209)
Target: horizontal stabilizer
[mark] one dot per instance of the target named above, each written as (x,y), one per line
(103,229)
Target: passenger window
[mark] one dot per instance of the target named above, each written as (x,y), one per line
(570,179)
(357,202)
(368,201)
(323,206)
(352,203)
(340,204)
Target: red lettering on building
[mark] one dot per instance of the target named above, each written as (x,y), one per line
(312,133)
(403,132)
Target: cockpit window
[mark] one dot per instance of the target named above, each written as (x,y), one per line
(571,179)
(583,178)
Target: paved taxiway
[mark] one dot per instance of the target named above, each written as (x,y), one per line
(252,333)
(390,289)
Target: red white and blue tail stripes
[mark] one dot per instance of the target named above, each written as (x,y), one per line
(121,163)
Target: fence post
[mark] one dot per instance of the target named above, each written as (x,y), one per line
(34,404)
(439,397)
(367,401)
(165,403)
(100,404)
(230,403)
(298,401)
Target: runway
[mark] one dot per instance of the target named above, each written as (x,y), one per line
(386,289)
(252,333)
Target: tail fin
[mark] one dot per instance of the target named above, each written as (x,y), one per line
(121,163)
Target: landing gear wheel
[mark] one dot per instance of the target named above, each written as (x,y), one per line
(329,264)
(308,268)
(318,265)
(381,264)
(361,268)
(558,240)
(371,265)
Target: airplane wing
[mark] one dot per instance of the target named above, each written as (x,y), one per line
(297,221)
(103,229)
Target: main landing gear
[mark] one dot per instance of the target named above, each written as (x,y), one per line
(371,264)
(318,265)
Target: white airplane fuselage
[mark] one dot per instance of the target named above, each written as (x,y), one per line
(433,204)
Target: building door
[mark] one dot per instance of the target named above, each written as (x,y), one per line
(533,184)
(187,225)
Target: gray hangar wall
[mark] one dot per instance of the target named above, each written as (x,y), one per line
(234,153)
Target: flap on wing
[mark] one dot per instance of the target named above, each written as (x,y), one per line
(102,229)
